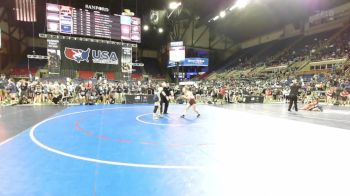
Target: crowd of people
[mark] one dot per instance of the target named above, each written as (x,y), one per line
(331,89)
(65,91)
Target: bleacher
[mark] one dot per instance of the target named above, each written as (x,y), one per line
(298,55)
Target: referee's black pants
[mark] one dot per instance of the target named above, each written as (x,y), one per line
(293,99)
(164,109)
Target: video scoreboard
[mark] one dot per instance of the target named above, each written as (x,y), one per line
(69,20)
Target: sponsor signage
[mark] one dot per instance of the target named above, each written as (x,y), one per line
(196,62)
(66,20)
(29,56)
(138,65)
(98,56)
(191,62)
(176,44)
(84,55)
(53,43)
(96,8)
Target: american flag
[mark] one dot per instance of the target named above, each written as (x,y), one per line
(26,10)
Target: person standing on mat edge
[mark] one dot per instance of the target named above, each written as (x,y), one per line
(293,95)
(156,99)
(164,99)
(191,102)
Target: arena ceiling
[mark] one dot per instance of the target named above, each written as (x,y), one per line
(259,17)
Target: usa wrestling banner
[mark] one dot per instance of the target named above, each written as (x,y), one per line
(81,55)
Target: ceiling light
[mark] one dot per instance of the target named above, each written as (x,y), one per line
(222,14)
(160,30)
(240,4)
(145,27)
(174,5)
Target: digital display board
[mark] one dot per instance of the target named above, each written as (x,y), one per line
(68,20)
(191,62)
(196,62)
(177,54)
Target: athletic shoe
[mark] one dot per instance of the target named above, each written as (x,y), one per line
(155,117)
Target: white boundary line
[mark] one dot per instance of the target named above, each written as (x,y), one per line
(11,138)
(138,118)
(37,142)
(18,134)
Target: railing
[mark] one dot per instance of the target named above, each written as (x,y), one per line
(311,72)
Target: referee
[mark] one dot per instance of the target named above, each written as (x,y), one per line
(293,95)
(164,98)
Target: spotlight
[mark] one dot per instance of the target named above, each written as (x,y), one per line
(145,27)
(160,30)
(240,4)
(222,14)
(174,5)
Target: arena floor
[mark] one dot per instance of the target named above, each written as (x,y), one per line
(120,150)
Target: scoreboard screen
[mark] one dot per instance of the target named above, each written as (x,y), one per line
(68,20)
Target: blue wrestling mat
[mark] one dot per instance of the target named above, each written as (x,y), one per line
(106,150)
(120,150)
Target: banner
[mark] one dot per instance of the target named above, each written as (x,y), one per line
(156,17)
(127,60)
(82,55)
(196,62)
(54,56)
(191,62)
(138,65)
(132,99)
(66,19)
(253,99)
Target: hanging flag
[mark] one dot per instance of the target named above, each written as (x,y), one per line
(26,10)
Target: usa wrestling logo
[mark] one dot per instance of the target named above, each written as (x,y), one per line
(77,55)
(98,56)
